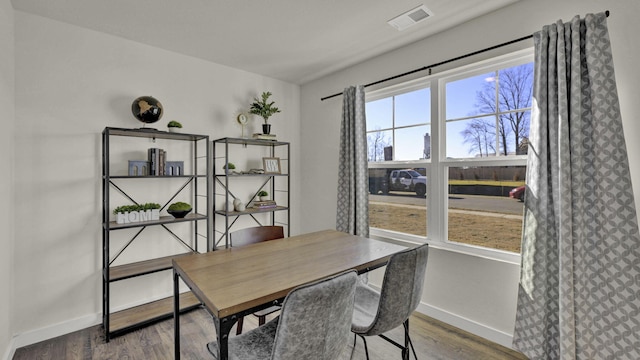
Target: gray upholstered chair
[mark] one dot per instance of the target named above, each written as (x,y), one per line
(378,312)
(253,235)
(314,324)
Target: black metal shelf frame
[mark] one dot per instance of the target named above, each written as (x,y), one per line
(191,181)
(223,181)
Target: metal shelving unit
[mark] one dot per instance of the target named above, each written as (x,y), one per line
(224,182)
(195,185)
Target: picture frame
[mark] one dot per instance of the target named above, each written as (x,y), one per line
(271,165)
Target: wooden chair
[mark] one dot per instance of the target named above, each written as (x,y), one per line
(250,236)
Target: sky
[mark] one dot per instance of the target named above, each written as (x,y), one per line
(414,109)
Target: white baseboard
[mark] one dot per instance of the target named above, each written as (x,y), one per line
(50,332)
(497,336)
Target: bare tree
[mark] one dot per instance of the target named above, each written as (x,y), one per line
(480,135)
(376,143)
(515,86)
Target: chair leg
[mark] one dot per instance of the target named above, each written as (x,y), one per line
(407,340)
(239,325)
(366,349)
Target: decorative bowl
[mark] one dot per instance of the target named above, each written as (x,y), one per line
(179,214)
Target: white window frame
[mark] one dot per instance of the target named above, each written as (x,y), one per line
(437,167)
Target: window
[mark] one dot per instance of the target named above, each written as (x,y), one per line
(467,159)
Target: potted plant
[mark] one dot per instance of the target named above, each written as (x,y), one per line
(262,195)
(229,166)
(174,126)
(179,209)
(265,109)
(138,212)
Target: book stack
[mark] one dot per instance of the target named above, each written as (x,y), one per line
(157,161)
(266,204)
(265,137)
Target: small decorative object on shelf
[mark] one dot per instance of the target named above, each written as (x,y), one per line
(126,214)
(179,209)
(157,161)
(262,195)
(147,109)
(242,120)
(271,137)
(174,168)
(138,168)
(265,109)
(174,126)
(229,166)
(271,165)
(264,204)
(238,205)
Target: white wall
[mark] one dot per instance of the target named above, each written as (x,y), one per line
(6,176)
(70,84)
(474,293)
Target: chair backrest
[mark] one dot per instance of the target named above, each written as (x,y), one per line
(315,322)
(401,288)
(256,234)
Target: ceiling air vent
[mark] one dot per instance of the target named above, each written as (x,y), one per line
(410,18)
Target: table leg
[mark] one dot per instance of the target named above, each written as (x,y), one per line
(223,328)
(176,315)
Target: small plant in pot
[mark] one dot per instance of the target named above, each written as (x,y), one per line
(174,126)
(263,195)
(229,167)
(138,212)
(179,209)
(265,109)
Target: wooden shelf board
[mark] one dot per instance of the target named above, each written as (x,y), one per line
(163,220)
(251,211)
(251,141)
(126,271)
(153,133)
(135,317)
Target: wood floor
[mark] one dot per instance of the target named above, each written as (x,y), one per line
(433,340)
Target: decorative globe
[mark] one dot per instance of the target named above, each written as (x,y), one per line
(147,109)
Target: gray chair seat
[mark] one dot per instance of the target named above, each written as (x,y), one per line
(365,309)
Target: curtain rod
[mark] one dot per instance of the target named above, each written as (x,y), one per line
(443,62)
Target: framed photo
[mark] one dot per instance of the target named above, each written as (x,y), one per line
(271,165)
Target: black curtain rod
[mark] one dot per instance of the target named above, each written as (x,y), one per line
(443,62)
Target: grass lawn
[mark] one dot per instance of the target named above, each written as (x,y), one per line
(488,231)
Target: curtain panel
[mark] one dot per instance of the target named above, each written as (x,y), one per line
(579,292)
(352,214)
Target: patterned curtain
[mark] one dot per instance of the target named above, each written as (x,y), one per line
(579,294)
(353,179)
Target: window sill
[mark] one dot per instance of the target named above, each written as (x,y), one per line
(470,250)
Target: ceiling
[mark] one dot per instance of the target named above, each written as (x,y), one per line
(293,40)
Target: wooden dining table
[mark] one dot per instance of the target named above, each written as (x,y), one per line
(234,282)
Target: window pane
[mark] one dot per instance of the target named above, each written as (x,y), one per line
(481,212)
(515,87)
(413,108)
(394,203)
(471,138)
(412,143)
(379,114)
(471,96)
(377,142)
